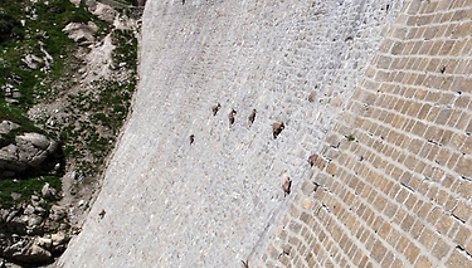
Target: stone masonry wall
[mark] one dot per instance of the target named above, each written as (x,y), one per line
(392,186)
(169,203)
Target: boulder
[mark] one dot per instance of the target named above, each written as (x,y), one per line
(44,242)
(59,238)
(29,210)
(7,126)
(28,154)
(75,2)
(33,254)
(40,211)
(36,139)
(57,213)
(4,215)
(91,4)
(31,61)
(80,32)
(102,11)
(48,192)
(34,220)
(10,92)
(59,242)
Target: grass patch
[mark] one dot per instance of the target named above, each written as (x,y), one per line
(15,115)
(126,49)
(26,188)
(35,28)
(32,28)
(43,24)
(90,140)
(94,138)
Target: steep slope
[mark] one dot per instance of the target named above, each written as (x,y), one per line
(167,202)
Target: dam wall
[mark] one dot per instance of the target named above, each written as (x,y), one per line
(392,186)
(376,91)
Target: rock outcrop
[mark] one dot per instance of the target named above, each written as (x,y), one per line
(27,153)
(81,33)
(32,233)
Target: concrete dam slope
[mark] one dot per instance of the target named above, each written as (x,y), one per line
(376,93)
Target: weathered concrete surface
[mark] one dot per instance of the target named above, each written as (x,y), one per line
(210,204)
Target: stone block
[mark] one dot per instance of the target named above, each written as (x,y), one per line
(441,249)
(417,229)
(459,259)
(378,251)
(411,253)
(462,235)
(463,211)
(464,166)
(444,224)
(428,238)
(402,244)
(423,262)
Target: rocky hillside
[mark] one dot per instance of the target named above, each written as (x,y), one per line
(68,75)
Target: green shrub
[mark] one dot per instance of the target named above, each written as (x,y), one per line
(9,28)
